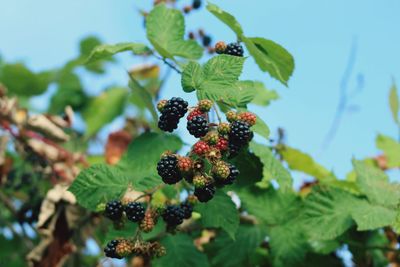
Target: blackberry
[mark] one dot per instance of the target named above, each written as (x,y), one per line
(168,169)
(173,215)
(187,210)
(240,133)
(114,210)
(110,249)
(176,106)
(204,194)
(172,111)
(234,49)
(134,211)
(206,40)
(233,174)
(167,124)
(196,4)
(234,149)
(197,126)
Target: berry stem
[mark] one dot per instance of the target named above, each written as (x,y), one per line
(216,112)
(149,193)
(172,66)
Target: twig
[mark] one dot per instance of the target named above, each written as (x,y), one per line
(150,193)
(163,82)
(217,113)
(344,96)
(172,66)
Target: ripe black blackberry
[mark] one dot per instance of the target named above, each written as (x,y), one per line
(168,169)
(168,124)
(174,109)
(206,193)
(198,126)
(134,211)
(233,174)
(206,40)
(240,133)
(196,4)
(114,210)
(187,209)
(110,249)
(234,149)
(234,49)
(173,215)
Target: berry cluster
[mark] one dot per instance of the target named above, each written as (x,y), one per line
(118,211)
(171,112)
(134,211)
(174,215)
(120,248)
(206,166)
(233,49)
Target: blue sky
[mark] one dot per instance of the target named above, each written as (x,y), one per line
(319,34)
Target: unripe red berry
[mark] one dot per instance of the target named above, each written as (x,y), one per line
(200,148)
(195,112)
(222,144)
(184,164)
(248,117)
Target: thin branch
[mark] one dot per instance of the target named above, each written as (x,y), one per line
(216,112)
(172,66)
(345,96)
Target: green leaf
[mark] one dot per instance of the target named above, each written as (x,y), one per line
(166,29)
(226,18)
(300,161)
(103,109)
(19,80)
(391,148)
(70,92)
(216,80)
(250,168)
(288,244)
(246,92)
(180,252)
(140,160)
(271,57)
(144,96)
(192,76)
(264,95)
(369,217)
(220,212)
(396,223)
(97,184)
(267,205)
(261,128)
(87,44)
(394,103)
(374,184)
(105,51)
(272,168)
(231,253)
(327,213)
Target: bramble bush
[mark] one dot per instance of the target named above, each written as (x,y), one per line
(154,200)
